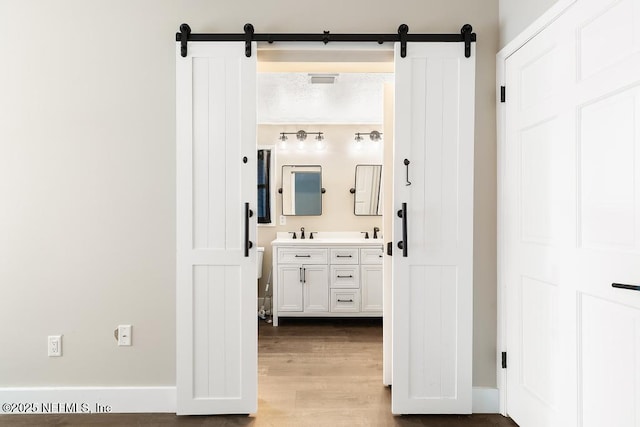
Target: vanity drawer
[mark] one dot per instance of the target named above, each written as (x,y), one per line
(345,276)
(344,256)
(345,300)
(371,255)
(302,256)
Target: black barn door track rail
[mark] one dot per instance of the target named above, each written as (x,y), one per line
(466,36)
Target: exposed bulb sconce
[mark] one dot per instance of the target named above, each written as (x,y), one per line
(301,136)
(374,135)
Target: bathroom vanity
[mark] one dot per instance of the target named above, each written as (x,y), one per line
(332,275)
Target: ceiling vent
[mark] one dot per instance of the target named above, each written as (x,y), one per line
(322,78)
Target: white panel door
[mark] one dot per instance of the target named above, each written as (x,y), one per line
(432,317)
(540,232)
(607,98)
(572,220)
(216,292)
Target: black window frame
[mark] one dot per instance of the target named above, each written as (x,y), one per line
(264,186)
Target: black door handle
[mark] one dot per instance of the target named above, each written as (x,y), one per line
(247,243)
(623,286)
(402,213)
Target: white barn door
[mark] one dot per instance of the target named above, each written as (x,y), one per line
(571,178)
(216,267)
(432,316)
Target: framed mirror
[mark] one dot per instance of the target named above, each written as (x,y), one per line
(367,191)
(301,190)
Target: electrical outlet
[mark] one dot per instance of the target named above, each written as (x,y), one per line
(54,346)
(124,335)
(283,220)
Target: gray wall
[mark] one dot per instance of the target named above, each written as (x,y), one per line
(87,172)
(516,15)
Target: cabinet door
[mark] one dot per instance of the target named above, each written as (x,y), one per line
(289,288)
(371,284)
(316,288)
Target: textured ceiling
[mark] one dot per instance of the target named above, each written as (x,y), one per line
(291,98)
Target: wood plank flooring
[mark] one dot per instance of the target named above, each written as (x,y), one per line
(312,372)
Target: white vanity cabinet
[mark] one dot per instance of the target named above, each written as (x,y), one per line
(319,279)
(303,280)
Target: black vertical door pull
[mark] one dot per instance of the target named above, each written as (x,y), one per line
(402,213)
(247,243)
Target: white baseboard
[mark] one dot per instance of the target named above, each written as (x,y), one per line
(57,400)
(486,400)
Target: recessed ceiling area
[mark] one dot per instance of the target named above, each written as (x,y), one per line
(354,98)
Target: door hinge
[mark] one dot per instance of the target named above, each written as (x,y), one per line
(503,94)
(504,360)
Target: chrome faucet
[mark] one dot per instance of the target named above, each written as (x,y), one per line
(375,232)
(302,232)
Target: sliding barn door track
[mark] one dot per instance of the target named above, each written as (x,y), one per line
(465,36)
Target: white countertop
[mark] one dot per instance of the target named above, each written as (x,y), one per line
(326,238)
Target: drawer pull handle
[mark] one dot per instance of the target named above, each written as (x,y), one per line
(345,277)
(345,300)
(344,256)
(303,256)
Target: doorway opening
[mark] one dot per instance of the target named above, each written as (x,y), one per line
(352,108)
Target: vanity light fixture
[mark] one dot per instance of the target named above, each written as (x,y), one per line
(301,136)
(374,135)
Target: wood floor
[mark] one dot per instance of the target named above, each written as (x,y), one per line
(311,373)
